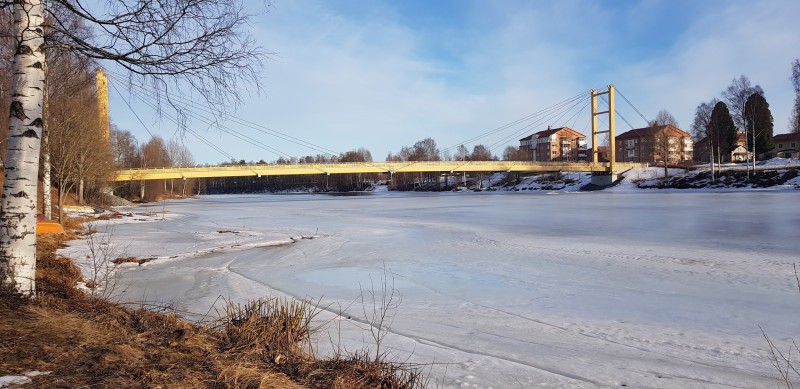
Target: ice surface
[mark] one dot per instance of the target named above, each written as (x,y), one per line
(647,289)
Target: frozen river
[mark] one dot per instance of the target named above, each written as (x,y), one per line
(644,289)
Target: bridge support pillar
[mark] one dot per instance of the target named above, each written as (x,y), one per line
(603,178)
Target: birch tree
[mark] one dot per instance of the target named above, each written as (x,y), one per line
(79,156)
(794,118)
(174,45)
(701,129)
(759,123)
(735,97)
(664,118)
(18,209)
(662,141)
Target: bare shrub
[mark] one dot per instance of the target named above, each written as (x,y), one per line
(785,363)
(102,278)
(379,307)
(371,368)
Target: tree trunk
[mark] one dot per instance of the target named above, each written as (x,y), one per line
(711,159)
(754,152)
(47,201)
(18,219)
(80,191)
(61,204)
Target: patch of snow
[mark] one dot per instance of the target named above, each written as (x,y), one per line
(780,162)
(25,378)
(6,381)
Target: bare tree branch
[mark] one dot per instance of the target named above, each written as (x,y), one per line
(194,43)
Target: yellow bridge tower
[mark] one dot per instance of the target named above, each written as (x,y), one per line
(608,177)
(102,102)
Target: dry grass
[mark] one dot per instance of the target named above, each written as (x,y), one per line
(277,332)
(136,260)
(89,342)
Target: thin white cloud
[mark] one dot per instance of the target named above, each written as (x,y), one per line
(345,79)
(750,38)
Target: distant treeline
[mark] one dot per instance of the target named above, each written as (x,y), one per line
(314,183)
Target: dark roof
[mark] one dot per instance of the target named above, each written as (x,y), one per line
(786,137)
(647,132)
(548,132)
(529,137)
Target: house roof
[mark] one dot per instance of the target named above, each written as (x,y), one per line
(650,131)
(786,137)
(551,131)
(548,132)
(741,140)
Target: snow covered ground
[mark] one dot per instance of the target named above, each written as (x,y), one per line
(635,288)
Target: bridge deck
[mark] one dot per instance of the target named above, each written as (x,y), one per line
(364,167)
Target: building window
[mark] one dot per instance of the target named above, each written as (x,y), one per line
(554,153)
(631,142)
(780,145)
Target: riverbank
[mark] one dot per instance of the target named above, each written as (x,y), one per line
(777,173)
(72,336)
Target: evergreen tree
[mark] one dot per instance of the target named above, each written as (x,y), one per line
(758,120)
(722,131)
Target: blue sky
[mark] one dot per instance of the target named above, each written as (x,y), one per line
(385,74)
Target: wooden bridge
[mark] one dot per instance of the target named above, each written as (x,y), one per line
(367,167)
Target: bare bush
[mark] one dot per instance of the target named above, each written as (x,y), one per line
(102,279)
(785,363)
(383,304)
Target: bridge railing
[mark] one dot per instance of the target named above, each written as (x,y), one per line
(361,167)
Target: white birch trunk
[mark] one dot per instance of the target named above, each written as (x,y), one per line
(47,200)
(18,219)
(711,158)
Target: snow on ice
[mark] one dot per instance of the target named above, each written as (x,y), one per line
(622,287)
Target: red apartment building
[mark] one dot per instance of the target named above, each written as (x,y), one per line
(649,143)
(555,144)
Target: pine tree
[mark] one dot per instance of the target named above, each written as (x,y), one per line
(722,131)
(758,120)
